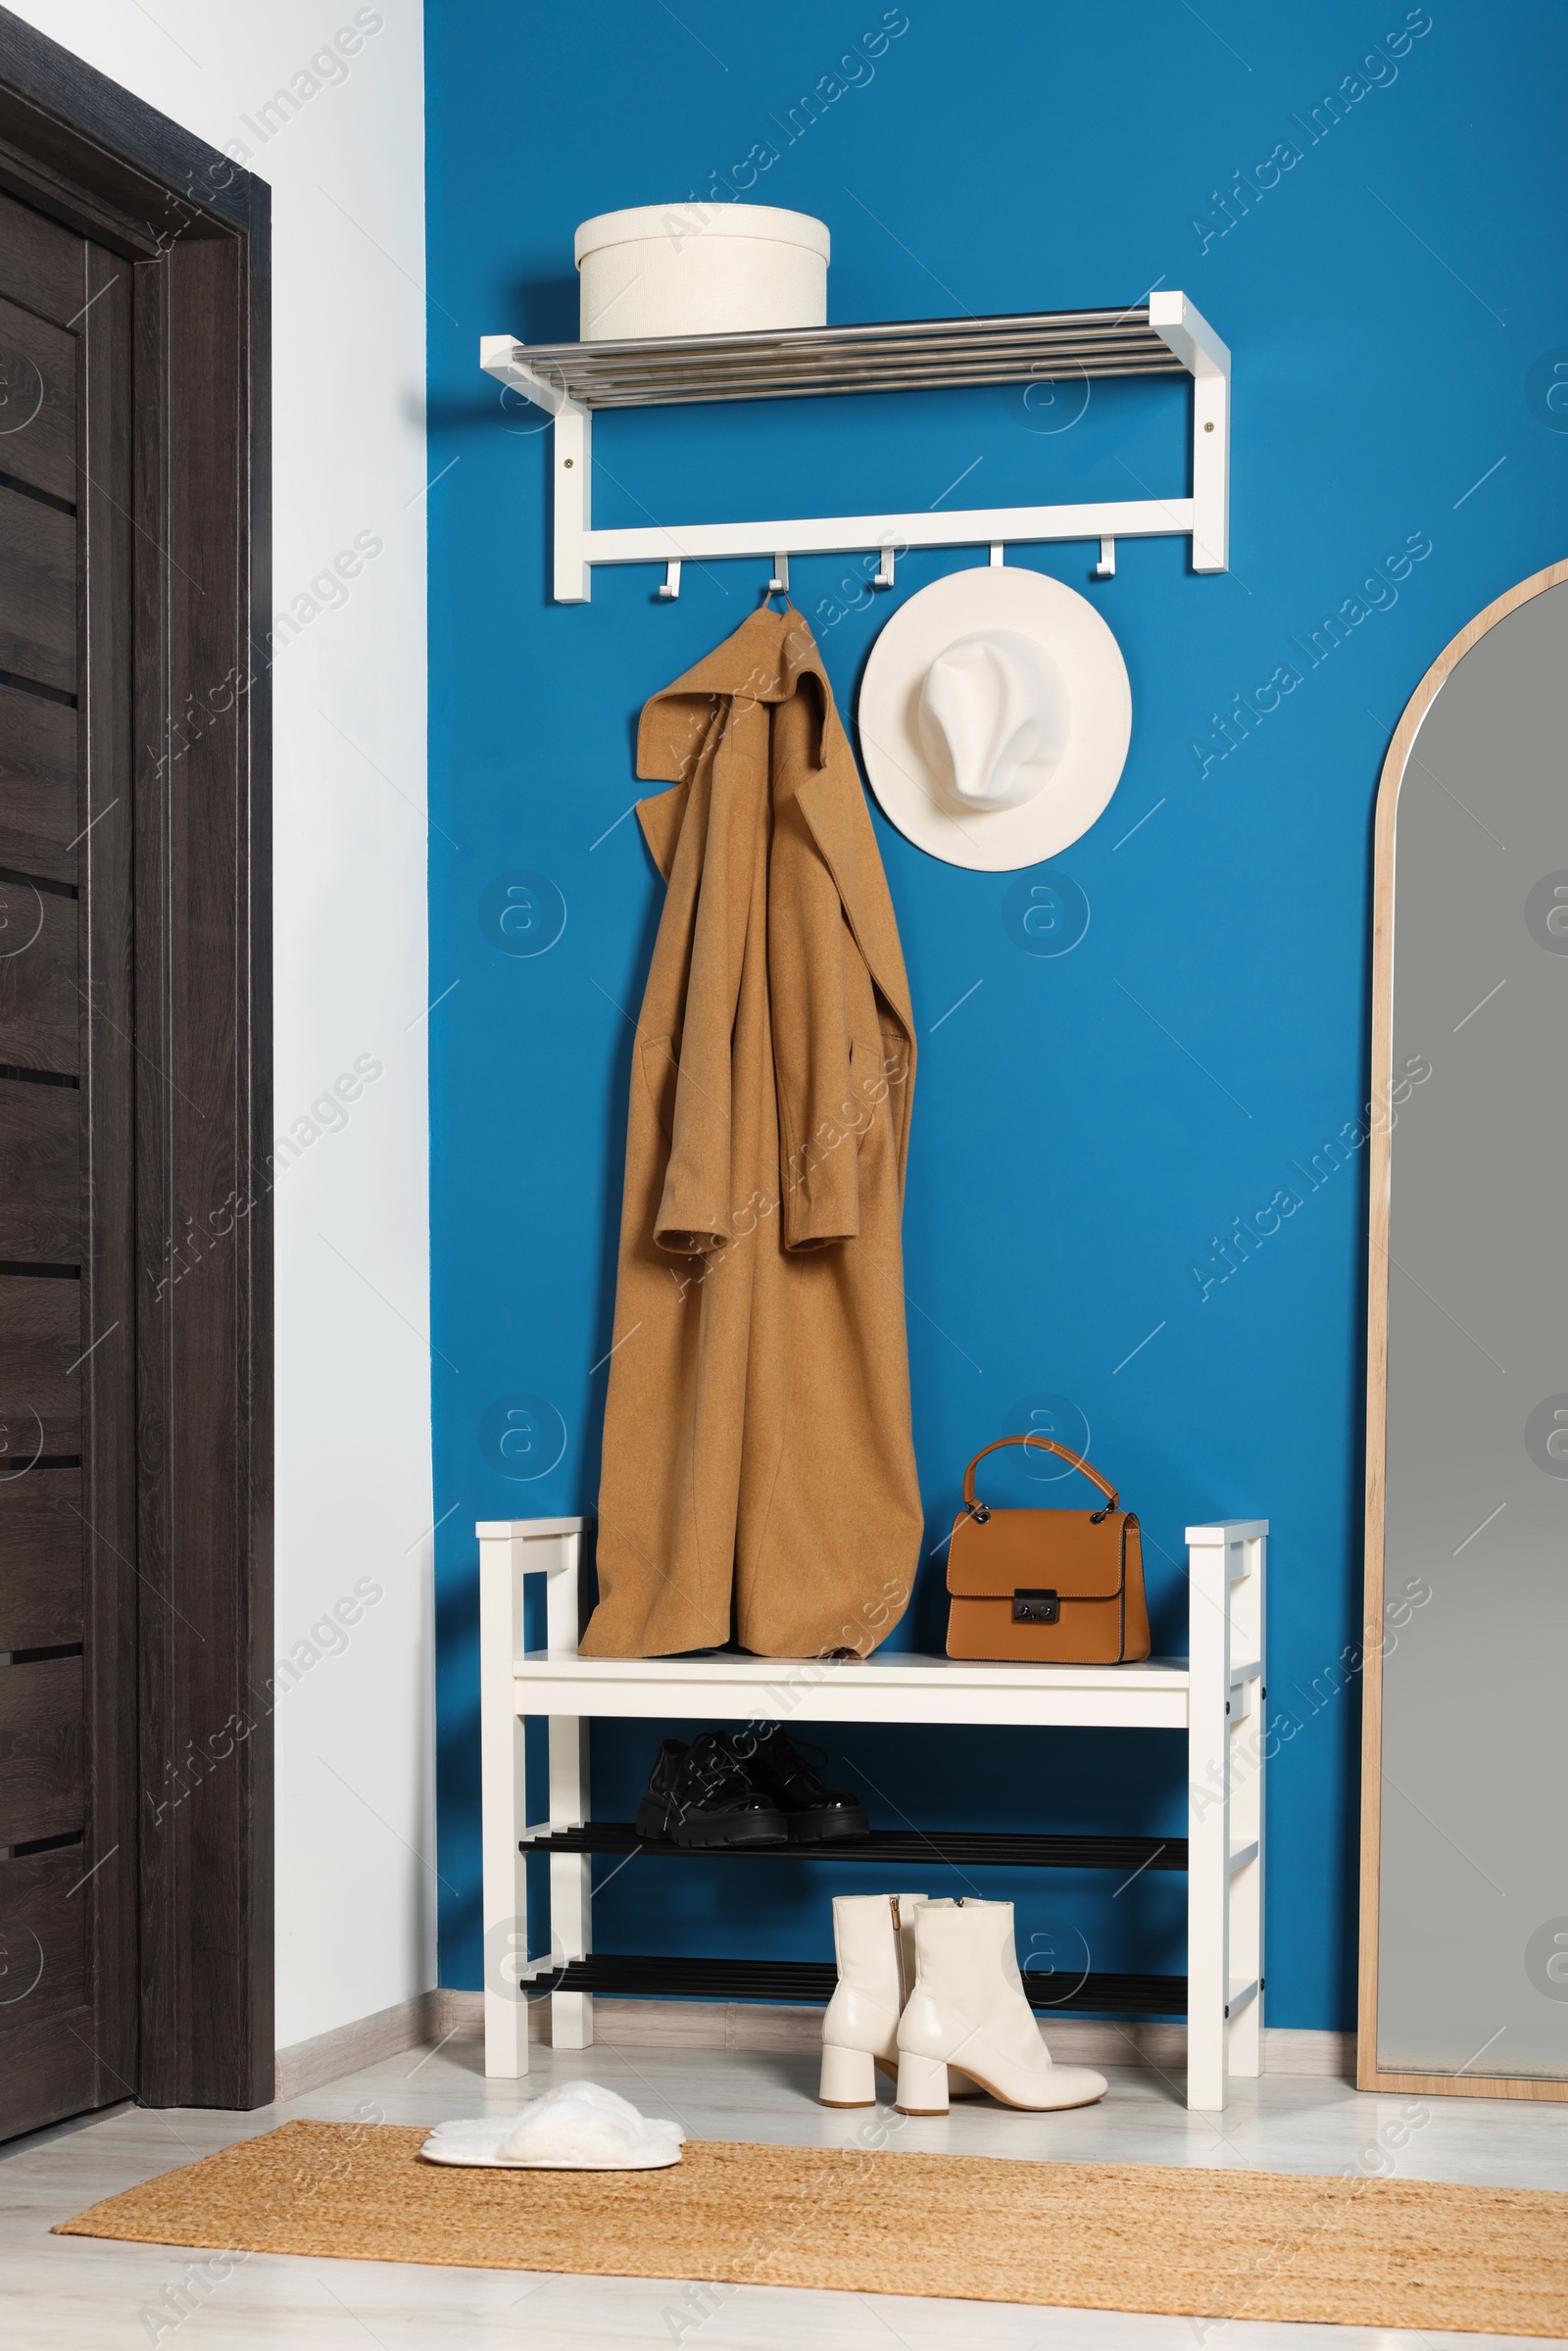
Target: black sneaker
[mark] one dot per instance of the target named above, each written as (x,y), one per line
(813,1813)
(703,1794)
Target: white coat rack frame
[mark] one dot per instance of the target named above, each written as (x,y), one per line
(1162,336)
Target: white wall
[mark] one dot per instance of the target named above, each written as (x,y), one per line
(356,1926)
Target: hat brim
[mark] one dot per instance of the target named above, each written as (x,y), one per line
(1076,640)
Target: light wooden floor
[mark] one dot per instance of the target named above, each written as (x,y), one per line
(76,2294)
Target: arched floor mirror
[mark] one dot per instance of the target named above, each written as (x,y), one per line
(1464,1890)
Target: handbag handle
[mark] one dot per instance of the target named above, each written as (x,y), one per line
(980,1511)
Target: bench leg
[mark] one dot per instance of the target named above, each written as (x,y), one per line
(1226,1745)
(1208,1813)
(1207,1902)
(506,1900)
(1249,1737)
(571,2013)
(504,1792)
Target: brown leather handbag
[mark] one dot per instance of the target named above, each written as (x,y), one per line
(1047,1586)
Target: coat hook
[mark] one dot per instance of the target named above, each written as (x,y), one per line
(1105,569)
(780,580)
(884,572)
(671,586)
(997,552)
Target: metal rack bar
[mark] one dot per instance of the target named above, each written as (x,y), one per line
(811,361)
(629,1975)
(933,1848)
(1163,336)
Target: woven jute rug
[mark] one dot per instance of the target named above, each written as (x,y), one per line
(1221,2245)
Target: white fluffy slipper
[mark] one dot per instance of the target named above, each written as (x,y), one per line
(577,2126)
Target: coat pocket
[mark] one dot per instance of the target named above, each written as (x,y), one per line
(868,1084)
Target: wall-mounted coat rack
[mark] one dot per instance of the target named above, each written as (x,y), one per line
(1164,336)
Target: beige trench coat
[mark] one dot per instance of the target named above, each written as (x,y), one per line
(758,1471)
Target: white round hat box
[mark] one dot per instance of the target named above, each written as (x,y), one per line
(700,270)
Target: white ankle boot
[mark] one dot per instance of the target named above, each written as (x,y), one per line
(873,1942)
(861,2024)
(967,2012)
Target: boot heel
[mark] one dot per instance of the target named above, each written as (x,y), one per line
(849,2077)
(922,2085)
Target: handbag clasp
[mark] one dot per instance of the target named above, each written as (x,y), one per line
(1036,1608)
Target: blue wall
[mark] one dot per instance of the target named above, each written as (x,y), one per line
(1088,1124)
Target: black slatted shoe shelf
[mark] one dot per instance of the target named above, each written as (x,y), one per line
(626,1975)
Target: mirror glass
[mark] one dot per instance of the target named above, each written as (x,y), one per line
(1473,1869)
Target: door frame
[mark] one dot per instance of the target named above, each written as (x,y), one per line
(194,230)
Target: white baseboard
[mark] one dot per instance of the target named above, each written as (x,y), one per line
(754,2025)
(308,2064)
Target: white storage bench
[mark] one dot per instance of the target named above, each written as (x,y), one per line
(1215,1697)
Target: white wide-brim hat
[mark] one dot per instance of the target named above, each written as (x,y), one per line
(994,715)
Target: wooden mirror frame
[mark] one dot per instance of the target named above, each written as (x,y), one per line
(1368,2073)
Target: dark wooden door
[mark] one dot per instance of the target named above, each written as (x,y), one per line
(135,1113)
(67,1517)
